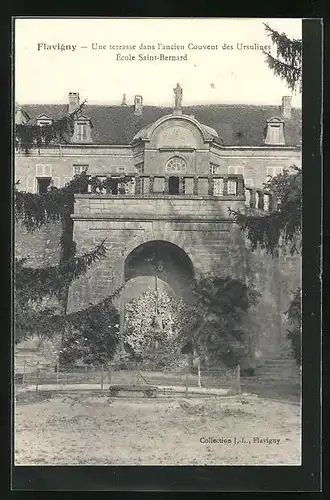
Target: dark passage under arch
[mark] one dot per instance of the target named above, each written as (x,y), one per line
(164,259)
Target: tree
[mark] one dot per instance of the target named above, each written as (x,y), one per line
(222,306)
(41,295)
(288,61)
(280,229)
(160,344)
(294,333)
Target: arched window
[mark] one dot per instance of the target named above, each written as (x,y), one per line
(176,165)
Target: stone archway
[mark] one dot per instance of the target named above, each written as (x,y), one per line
(166,260)
(157,258)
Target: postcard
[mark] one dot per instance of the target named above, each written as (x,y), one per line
(158,269)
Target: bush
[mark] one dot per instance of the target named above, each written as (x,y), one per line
(295,338)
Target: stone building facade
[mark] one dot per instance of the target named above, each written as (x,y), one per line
(187,165)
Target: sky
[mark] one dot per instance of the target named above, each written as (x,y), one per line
(207,77)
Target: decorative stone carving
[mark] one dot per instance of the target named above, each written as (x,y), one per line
(178,91)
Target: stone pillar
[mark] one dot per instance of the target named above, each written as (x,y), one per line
(240,187)
(261,200)
(253,198)
(166,184)
(211,185)
(181,185)
(108,188)
(225,186)
(137,184)
(195,189)
(151,184)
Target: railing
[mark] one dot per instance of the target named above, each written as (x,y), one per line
(231,186)
(260,199)
(187,185)
(181,379)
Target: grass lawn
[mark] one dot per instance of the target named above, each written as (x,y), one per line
(72,429)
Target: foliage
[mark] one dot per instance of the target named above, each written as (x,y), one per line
(143,340)
(222,308)
(36,311)
(35,210)
(50,281)
(294,317)
(280,228)
(288,61)
(60,131)
(32,320)
(214,326)
(92,335)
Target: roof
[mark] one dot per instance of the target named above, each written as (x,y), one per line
(241,125)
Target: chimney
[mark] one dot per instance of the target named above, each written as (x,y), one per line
(73,102)
(286,106)
(123,102)
(138,105)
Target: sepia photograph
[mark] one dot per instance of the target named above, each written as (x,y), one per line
(157,241)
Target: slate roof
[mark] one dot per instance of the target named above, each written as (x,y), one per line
(241,125)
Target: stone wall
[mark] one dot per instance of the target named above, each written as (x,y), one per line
(41,247)
(276,278)
(200,227)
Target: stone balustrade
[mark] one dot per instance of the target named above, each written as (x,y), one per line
(187,185)
(260,199)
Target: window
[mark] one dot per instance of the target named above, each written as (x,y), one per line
(43,120)
(236,170)
(218,187)
(139,168)
(273,171)
(81,131)
(121,170)
(232,187)
(274,134)
(43,170)
(173,185)
(213,169)
(42,123)
(43,184)
(78,169)
(177,165)
(249,182)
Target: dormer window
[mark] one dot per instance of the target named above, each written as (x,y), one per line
(43,120)
(82,130)
(275,132)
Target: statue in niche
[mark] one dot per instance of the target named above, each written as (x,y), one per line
(178,96)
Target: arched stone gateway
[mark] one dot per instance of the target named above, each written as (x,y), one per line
(156,260)
(164,259)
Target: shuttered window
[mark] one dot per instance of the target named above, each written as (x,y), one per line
(43,170)
(232,187)
(236,170)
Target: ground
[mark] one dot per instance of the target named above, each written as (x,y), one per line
(69,429)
